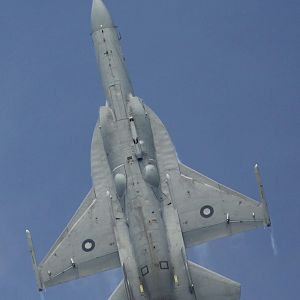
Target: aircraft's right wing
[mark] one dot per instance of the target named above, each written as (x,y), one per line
(88,244)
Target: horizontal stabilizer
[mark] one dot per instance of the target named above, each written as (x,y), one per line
(209,285)
(119,293)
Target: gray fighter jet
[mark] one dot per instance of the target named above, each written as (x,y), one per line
(145,207)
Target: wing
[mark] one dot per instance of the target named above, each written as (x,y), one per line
(86,246)
(207,210)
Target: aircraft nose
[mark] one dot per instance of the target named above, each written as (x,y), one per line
(100,17)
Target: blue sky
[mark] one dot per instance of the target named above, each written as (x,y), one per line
(224,76)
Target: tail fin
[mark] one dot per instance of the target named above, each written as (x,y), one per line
(209,285)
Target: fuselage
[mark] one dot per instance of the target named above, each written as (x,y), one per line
(130,150)
(145,207)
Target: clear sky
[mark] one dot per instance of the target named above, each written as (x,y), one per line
(224,76)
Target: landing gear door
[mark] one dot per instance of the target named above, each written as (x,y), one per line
(117,101)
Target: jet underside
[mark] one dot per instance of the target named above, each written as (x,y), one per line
(144,207)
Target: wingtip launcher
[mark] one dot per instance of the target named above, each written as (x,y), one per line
(34,263)
(262,195)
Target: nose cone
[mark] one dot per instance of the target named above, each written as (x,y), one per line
(100,17)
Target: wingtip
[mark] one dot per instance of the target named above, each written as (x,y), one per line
(28,235)
(257,174)
(34,261)
(263,200)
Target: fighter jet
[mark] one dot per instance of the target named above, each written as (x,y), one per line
(145,207)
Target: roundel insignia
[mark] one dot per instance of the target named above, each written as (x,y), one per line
(88,245)
(206,211)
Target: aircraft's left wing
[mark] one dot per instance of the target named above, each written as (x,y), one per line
(206,209)
(86,246)
(209,210)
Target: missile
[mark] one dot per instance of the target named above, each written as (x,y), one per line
(262,195)
(34,263)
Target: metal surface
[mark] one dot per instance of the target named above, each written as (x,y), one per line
(145,207)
